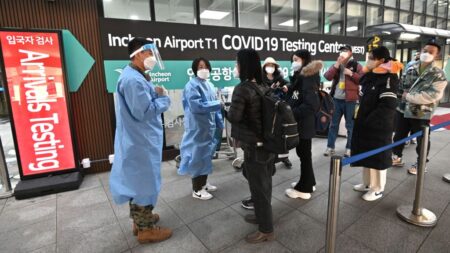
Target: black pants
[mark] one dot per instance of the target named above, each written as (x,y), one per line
(404,126)
(199,182)
(307,179)
(258,169)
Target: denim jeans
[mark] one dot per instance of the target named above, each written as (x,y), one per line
(341,107)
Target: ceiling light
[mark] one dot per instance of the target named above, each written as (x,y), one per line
(290,22)
(216,15)
(409,36)
(352,28)
(134,17)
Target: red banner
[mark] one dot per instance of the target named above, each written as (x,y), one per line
(37,95)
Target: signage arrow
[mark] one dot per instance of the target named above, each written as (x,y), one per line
(77,60)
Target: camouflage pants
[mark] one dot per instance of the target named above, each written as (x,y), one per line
(142,216)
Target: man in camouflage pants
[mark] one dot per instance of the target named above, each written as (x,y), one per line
(421,88)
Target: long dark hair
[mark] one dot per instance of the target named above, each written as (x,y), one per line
(249,65)
(381,53)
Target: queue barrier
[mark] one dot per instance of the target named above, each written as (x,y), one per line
(415,214)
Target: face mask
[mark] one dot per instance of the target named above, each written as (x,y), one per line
(344,54)
(235,72)
(203,74)
(270,70)
(426,57)
(149,62)
(371,64)
(296,65)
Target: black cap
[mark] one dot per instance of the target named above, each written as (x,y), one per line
(433,42)
(345,47)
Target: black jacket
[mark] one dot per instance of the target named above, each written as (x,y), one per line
(276,79)
(245,113)
(304,99)
(374,123)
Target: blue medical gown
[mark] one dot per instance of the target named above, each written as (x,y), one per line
(202,116)
(136,171)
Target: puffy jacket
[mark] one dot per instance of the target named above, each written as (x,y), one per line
(351,82)
(245,113)
(276,79)
(303,98)
(374,123)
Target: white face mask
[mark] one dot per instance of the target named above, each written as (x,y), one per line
(203,73)
(426,57)
(296,65)
(149,62)
(270,70)
(235,72)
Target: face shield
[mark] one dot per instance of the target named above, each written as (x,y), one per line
(154,49)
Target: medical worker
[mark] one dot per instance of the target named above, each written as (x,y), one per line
(202,116)
(136,174)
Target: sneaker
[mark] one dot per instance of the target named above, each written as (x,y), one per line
(397,161)
(361,188)
(202,194)
(372,195)
(329,152)
(293,184)
(407,143)
(248,204)
(287,163)
(209,187)
(414,141)
(347,153)
(293,194)
(413,169)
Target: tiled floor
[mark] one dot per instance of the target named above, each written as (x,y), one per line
(87,220)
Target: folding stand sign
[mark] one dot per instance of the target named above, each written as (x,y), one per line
(39,106)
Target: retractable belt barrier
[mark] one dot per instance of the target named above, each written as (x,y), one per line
(414,214)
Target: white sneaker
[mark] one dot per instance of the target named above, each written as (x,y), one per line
(329,152)
(372,195)
(293,194)
(347,153)
(209,187)
(361,188)
(414,141)
(202,194)
(293,184)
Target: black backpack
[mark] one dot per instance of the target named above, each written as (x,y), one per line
(280,132)
(325,113)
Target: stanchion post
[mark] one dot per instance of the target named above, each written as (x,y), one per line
(419,216)
(4,176)
(333,203)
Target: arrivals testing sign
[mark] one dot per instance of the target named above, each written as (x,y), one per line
(38,101)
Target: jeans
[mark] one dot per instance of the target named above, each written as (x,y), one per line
(258,169)
(341,107)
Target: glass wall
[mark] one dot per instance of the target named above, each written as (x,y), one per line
(374,15)
(315,16)
(175,11)
(310,16)
(334,17)
(355,19)
(419,6)
(216,12)
(283,15)
(253,14)
(390,15)
(127,9)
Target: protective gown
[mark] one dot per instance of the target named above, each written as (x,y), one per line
(138,144)
(202,116)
